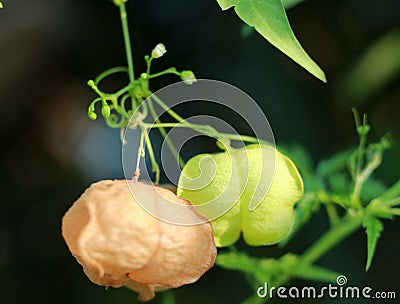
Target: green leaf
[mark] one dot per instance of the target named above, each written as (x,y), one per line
(339,184)
(288,4)
(373,228)
(395,211)
(391,193)
(269,18)
(390,198)
(333,164)
(372,188)
(371,72)
(383,212)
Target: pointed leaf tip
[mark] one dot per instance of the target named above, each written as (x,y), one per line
(373,228)
(268,17)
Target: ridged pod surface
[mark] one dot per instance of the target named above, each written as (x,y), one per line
(118,243)
(233,179)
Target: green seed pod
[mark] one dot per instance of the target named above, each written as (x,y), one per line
(105,109)
(240,181)
(92,115)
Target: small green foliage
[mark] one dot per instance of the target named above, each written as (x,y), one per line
(391,193)
(115,108)
(270,270)
(383,206)
(373,228)
(332,165)
(373,187)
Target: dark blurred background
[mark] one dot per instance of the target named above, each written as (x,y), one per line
(51,151)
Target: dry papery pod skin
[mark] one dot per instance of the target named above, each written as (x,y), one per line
(119,244)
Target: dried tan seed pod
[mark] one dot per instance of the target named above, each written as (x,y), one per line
(118,243)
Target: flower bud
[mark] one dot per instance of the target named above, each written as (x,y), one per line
(91,83)
(188,77)
(105,109)
(92,115)
(158,51)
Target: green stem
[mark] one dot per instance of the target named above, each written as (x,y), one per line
(128,50)
(148,63)
(163,133)
(365,174)
(333,214)
(160,125)
(136,174)
(120,110)
(332,237)
(125,89)
(168,71)
(167,108)
(244,138)
(325,243)
(393,202)
(206,130)
(109,72)
(360,156)
(154,165)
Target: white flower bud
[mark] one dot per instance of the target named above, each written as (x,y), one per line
(188,77)
(158,51)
